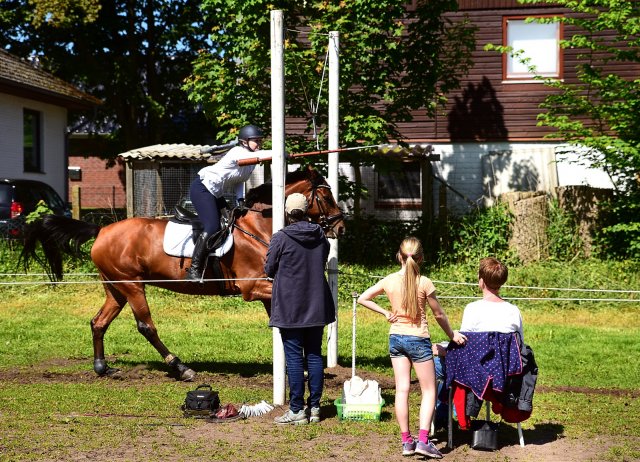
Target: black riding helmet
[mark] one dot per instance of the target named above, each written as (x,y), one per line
(250,132)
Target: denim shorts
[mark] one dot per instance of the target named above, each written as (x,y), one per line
(417,349)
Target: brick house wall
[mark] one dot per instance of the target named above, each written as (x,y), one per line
(100,186)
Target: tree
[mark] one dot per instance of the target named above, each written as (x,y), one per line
(600,110)
(133,54)
(394,60)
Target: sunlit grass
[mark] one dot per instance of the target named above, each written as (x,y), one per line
(588,354)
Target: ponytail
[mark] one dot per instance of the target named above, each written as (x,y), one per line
(410,253)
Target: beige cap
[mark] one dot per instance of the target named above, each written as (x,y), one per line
(296,201)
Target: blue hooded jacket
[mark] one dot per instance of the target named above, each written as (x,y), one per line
(296,260)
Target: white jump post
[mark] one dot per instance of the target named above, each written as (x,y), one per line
(332,179)
(278,172)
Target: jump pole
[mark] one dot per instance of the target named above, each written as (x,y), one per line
(278,172)
(332,179)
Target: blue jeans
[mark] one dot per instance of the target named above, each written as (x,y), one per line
(417,349)
(206,206)
(303,346)
(442,396)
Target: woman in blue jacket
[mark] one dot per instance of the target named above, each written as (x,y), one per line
(301,305)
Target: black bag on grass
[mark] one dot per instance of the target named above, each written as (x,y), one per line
(485,435)
(201,402)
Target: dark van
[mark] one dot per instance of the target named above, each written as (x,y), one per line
(18,198)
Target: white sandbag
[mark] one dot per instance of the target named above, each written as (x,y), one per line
(358,391)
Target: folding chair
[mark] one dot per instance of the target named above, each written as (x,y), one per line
(450,422)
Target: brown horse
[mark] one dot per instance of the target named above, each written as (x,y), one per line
(129,254)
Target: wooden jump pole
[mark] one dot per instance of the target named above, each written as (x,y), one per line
(257,160)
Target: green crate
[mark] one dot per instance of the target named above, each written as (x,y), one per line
(358,411)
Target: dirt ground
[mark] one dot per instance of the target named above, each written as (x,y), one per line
(543,443)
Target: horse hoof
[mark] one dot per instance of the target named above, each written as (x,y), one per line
(188,375)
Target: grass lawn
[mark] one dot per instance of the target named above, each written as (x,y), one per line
(53,407)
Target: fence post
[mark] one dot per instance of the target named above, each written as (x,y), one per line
(75,201)
(443,215)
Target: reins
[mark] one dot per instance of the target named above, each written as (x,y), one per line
(250,234)
(326,222)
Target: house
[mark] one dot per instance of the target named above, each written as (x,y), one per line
(34,108)
(487,135)
(99,182)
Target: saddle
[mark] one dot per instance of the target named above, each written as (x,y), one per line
(186,217)
(184,227)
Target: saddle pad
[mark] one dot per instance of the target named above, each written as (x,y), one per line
(178,241)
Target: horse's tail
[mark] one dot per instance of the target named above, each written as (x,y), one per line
(57,235)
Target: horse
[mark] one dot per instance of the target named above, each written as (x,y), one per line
(129,255)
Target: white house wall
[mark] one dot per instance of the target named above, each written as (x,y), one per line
(54,163)
(575,169)
(479,173)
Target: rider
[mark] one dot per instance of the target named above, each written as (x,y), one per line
(211,183)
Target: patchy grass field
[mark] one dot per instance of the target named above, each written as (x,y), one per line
(54,408)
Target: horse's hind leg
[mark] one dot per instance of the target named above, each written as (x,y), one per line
(138,302)
(111,308)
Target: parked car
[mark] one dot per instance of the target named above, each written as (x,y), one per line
(18,198)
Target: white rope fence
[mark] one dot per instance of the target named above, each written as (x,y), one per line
(453,297)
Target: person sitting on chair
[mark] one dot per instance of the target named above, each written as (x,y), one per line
(491,312)
(209,185)
(495,332)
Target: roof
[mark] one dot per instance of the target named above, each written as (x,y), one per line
(199,152)
(21,78)
(195,152)
(410,152)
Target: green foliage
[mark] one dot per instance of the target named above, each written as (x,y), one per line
(133,55)
(599,111)
(620,238)
(40,211)
(482,233)
(387,54)
(64,12)
(371,241)
(562,231)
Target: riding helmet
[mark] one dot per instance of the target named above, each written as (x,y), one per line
(250,132)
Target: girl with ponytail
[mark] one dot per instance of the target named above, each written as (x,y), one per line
(409,341)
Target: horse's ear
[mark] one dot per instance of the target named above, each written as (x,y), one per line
(312,172)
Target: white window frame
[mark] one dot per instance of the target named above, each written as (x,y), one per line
(407,201)
(540,42)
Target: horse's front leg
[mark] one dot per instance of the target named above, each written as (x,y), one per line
(111,308)
(140,308)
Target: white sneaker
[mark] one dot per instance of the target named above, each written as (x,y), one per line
(314,415)
(292,418)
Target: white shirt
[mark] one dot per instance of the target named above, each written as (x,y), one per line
(486,316)
(226,173)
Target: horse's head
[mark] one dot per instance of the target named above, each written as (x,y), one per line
(323,208)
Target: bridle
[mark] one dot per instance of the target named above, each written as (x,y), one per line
(326,222)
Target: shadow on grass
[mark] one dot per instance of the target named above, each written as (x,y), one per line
(212,367)
(242,369)
(507,435)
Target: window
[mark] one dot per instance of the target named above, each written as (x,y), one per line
(32,141)
(540,43)
(399,188)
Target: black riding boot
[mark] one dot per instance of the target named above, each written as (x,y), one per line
(200,254)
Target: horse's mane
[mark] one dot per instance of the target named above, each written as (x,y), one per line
(262,194)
